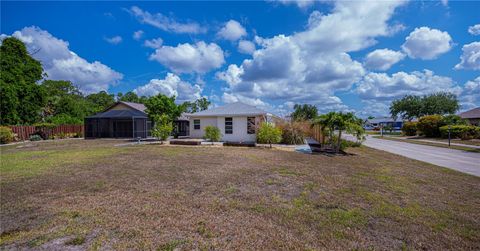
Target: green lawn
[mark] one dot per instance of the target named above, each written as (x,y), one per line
(92,195)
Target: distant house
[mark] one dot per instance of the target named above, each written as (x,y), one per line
(121,120)
(377,123)
(472,116)
(238,122)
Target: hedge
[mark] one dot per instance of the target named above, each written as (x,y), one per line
(461,131)
(409,128)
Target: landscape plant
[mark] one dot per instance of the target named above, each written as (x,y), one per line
(341,122)
(463,132)
(430,125)
(212,133)
(269,134)
(293,133)
(409,128)
(6,135)
(163,127)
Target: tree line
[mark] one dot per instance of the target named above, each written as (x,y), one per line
(27,97)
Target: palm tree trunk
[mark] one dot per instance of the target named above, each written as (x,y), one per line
(339,140)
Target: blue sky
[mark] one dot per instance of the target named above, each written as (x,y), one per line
(338,55)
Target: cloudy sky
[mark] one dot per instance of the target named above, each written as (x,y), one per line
(338,55)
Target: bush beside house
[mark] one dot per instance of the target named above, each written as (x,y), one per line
(212,133)
(269,134)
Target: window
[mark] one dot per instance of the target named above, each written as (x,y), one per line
(228,125)
(196,124)
(251,125)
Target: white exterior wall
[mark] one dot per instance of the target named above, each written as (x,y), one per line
(239,128)
(204,122)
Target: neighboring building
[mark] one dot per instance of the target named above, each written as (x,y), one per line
(238,122)
(377,123)
(472,116)
(121,120)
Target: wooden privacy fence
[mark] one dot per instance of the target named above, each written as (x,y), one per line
(24,132)
(317,133)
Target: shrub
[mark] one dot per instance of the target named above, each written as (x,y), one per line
(163,127)
(452,119)
(292,133)
(269,134)
(6,135)
(409,128)
(345,143)
(44,130)
(212,133)
(35,137)
(461,131)
(430,125)
(64,119)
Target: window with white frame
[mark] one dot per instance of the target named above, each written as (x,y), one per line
(196,124)
(228,125)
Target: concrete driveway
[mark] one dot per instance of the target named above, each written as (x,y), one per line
(466,162)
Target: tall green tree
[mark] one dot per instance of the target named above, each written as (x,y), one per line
(198,105)
(162,105)
(21,98)
(131,97)
(410,106)
(65,103)
(100,101)
(304,112)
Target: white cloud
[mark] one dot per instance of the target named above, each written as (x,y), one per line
(470,59)
(154,43)
(426,43)
(171,85)
(188,58)
(382,59)
(474,30)
(311,66)
(378,90)
(62,64)
(470,97)
(165,23)
(232,30)
(381,86)
(302,4)
(113,40)
(246,47)
(137,35)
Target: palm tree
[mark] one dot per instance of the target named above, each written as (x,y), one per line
(340,121)
(325,122)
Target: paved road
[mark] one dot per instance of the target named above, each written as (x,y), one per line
(467,162)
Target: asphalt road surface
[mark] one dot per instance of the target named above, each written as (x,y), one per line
(466,162)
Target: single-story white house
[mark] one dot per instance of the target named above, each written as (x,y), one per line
(238,122)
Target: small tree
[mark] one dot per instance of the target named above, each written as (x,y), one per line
(269,134)
(212,133)
(163,127)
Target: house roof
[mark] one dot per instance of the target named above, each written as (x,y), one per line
(471,114)
(382,120)
(232,109)
(120,114)
(140,107)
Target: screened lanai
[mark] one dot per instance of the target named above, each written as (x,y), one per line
(118,123)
